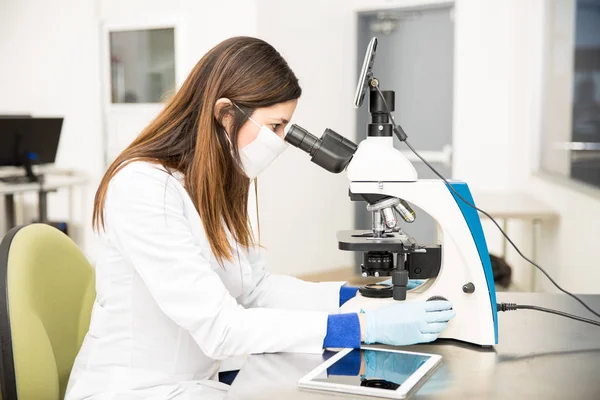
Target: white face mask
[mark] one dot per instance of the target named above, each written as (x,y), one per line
(262,151)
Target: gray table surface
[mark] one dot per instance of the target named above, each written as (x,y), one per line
(539,356)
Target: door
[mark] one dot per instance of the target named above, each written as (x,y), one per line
(415,59)
(139,71)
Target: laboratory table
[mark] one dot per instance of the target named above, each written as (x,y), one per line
(521,207)
(539,356)
(53,181)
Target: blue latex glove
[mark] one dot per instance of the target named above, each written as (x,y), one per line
(402,323)
(412,283)
(391,367)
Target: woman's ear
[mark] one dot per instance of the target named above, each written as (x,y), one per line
(220,105)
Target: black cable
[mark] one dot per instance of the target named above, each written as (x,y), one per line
(401,134)
(513,306)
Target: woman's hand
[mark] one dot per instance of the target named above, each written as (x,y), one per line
(403,323)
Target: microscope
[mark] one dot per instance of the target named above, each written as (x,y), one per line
(456,268)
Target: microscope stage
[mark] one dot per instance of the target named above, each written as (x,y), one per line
(364,241)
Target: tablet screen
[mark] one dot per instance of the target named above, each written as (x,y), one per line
(373,368)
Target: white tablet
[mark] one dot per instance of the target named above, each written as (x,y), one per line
(391,374)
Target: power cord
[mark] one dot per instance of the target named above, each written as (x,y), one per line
(402,137)
(513,306)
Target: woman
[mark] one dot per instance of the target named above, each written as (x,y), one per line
(180,281)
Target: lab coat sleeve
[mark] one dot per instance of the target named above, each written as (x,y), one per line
(286,292)
(145,218)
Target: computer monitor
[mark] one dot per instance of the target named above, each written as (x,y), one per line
(29,141)
(15,116)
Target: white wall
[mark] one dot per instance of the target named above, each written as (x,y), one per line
(500,109)
(498,57)
(569,250)
(202,24)
(302,206)
(557,85)
(199,25)
(49,67)
(500,106)
(513,82)
(491,75)
(486,88)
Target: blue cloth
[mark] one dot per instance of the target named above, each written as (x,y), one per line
(343,331)
(346,293)
(348,365)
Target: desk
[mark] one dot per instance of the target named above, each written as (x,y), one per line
(519,206)
(53,181)
(540,356)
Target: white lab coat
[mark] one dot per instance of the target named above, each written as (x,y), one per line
(166,311)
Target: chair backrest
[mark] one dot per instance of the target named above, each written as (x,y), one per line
(46,296)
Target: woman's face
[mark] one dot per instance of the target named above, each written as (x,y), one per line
(275,117)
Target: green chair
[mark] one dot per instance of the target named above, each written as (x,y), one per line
(46,297)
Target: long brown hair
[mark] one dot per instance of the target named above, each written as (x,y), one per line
(187,137)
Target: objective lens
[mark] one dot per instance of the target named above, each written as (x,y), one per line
(389,217)
(405,211)
(378,227)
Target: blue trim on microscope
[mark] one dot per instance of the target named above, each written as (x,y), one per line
(474,223)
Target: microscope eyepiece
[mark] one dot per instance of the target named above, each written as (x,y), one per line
(301,138)
(332,151)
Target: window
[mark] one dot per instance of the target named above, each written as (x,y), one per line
(571,127)
(142,65)
(585,132)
